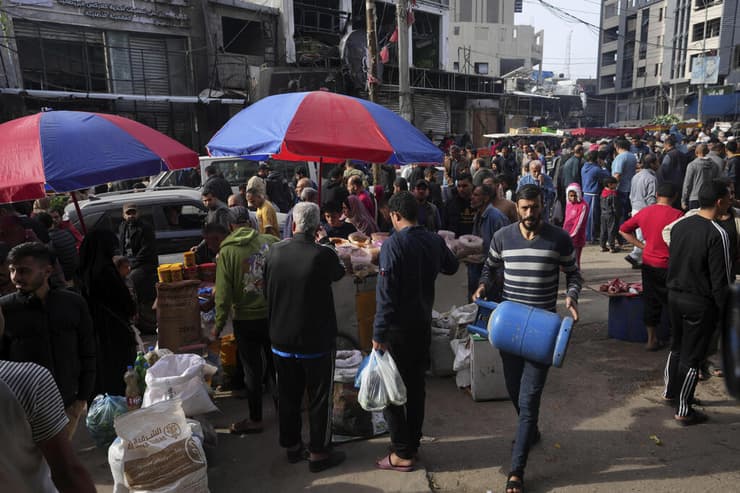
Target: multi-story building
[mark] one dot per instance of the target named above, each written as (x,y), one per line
(483,38)
(648,50)
(185,66)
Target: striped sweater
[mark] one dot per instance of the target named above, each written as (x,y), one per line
(531,268)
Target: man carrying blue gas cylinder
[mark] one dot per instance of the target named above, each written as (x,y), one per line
(529,255)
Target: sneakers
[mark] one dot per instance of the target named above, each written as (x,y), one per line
(635,264)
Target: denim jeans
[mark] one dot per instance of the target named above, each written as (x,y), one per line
(525,381)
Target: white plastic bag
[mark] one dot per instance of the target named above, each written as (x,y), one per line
(372,395)
(394,386)
(157,453)
(381,383)
(181,376)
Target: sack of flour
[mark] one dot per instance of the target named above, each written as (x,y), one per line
(160,454)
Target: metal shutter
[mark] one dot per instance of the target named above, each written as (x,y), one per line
(35,30)
(431,112)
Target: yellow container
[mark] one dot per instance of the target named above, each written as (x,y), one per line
(228,350)
(164,273)
(189,259)
(176,272)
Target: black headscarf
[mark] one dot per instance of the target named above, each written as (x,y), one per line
(100,280)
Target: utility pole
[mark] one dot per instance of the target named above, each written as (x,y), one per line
(405,105)
(372,49)
(372,66)
(700,102)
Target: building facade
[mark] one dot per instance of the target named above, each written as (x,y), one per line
(484,39)
(649,49)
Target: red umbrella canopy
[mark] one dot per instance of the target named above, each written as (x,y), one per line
(72,150)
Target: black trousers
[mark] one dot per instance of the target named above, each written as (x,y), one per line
(693,319)
(253,348)
(655,294)
(315,377)
(609,229)
(405,422)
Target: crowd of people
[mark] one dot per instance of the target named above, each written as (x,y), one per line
(69,302)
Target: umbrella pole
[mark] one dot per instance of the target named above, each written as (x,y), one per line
(321,162)
(79,212)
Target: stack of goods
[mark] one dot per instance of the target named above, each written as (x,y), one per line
(619,287)
(349,419)
(187,270)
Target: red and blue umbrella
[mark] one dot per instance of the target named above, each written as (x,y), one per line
(70,150)
(322,126)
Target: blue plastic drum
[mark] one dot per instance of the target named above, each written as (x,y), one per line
(532,333)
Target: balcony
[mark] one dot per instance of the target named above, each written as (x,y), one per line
(315,19)
(438,80)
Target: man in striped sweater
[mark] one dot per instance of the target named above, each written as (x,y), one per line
(530,255)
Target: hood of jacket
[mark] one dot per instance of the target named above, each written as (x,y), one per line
(608,192)
(574,187)
(240,237)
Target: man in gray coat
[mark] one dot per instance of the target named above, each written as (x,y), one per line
(701,170)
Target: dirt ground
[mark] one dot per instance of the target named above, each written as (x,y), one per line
(603,426)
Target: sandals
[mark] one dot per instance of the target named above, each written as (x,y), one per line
(695,418)
(514,485)
(245,427)
(386,465)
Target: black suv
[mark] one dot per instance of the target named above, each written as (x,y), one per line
(177,215)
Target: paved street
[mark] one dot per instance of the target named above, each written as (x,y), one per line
(597,418)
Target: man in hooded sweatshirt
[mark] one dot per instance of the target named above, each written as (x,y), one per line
(239,281)
(701,170)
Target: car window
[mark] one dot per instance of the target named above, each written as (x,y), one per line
(236,171)
(183,216)
(181,178)
(115,216)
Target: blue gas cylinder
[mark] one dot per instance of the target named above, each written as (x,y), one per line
(532,333)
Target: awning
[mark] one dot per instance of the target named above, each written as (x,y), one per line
(716,105)
(603,132)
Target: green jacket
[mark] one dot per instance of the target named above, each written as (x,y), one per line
(239,276)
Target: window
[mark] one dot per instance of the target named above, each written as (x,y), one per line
(607,82)
(611,34)
(698,32)
(492,7)
(712,29)
(466,11)
(702,4)
(456,66)
(660,14)
(456,30)
(481,68)
(242,36)
(657,70)
(736,58)
(641,72)
(63,65)
(183,216)
(610,10)
(608,58)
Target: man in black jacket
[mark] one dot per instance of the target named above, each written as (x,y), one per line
(303,327)
(699,275)
(333,189)
(138,244)
(409,263)
(216,184)
(50,327)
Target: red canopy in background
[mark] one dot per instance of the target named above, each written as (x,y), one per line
(604,132)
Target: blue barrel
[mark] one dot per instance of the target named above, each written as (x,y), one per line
(532,333)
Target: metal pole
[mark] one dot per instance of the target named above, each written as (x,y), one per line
(700,102)
(405,106)
(372,49)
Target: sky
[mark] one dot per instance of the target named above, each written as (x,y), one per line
(584,42)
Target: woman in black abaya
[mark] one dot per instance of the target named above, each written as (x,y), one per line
(111,308)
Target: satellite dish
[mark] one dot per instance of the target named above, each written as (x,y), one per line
(353,47)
